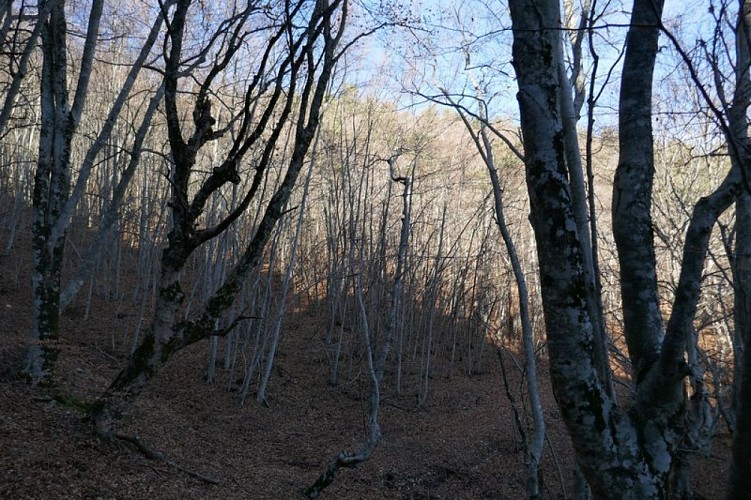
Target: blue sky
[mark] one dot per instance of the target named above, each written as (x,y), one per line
(462,43)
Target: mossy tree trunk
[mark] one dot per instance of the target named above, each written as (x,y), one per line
(59,121)
(740,470)
(54,202)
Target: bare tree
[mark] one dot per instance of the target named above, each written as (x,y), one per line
(290,82)
(59,121)
(624,453)
(375,355)
(53,201)
(533,446)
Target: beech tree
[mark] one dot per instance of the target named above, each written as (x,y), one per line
(286,90)
(737,138)
(629,450)
(56,192)
(59,122)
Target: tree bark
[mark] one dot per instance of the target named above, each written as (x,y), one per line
(740,469)
(621,455)
(606,444)
(53,201)
(59,121)
(632,191)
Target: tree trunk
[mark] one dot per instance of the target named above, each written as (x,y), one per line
(599,431)
(51,187)
(375,357)
(151,353)
(632,191)
(19,73)
(623,456)
(740,469)
(533,447)
(86,267)
(52,201)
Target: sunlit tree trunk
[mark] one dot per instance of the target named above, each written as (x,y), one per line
(579,391)
(570,106)
(534,446)
(607,445)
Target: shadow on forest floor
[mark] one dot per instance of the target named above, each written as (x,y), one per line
(462,444)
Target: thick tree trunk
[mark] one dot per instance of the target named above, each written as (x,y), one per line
(569,117)
(152,352)
(51,188)
(167,335)
(59,121)
(621,456)
(632,191)
(740,470)
(42,352)
(606,442)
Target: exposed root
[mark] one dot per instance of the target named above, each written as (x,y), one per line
(152,454)
(342,460)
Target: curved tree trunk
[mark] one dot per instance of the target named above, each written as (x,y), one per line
(375,356)
(309,62)
(632,191)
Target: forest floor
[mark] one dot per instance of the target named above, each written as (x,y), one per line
(461,444)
